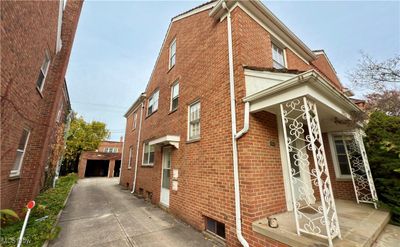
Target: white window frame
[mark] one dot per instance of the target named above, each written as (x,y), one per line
(58,119)
(172,54)
(130,157)
(134,119)
(284,65)
(338,173)
(146,144)
(176,84)
(152,102)
(17,172)
(189,137)
(44,71)
(59,24)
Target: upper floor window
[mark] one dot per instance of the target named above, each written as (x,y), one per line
(59,113)
(174,96)
(278,57)
(23,142)
(148,154)
(194,121)
(130,157)
(134,120)
(43,72)
(110,150)
(172,54)
(340,145)
(152,105)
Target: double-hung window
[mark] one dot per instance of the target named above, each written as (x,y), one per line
(130,157)
(148,154)
(23,142)
(172,54)
(43,72)
(134,120)
(153,103)
(174,96)
(340,145)
(194,121)
(278,57)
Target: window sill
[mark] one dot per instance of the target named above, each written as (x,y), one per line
(171,68)
(129,168)
(172,111)
(151,114)
(40,92)
(14,176)
(147,165)
(193,140)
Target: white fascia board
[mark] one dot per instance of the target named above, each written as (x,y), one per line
(195,11)
(309,83)
(168,139)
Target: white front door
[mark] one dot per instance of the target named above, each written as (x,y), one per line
(165,176)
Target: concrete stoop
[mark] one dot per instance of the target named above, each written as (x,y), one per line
(360,226)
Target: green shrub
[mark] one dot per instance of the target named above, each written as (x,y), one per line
(48,203)
(383,148)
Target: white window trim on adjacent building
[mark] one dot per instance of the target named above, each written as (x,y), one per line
(194,121)
(16,170)
(147,148)
(130,157)
(110,150)
(43,72)
(338,172)
(59,25)
(278,56)
(172,54)
(153,103)
(58,119)
(174,96)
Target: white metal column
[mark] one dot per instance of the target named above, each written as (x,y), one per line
(363,182)
(300,123)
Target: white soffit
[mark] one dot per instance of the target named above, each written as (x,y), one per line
(168,139)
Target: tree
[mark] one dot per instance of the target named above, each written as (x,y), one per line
(82,136)
(387,101)
(376,75)
(383,148)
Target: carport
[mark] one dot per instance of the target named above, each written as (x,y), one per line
(99,164)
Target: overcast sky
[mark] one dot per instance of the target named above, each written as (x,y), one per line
(117,44)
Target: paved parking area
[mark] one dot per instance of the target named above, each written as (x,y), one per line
(100,213)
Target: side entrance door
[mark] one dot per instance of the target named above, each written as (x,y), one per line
(165,176)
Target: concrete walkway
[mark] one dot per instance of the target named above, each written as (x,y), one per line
(100,213)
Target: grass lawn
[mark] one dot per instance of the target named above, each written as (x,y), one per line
(48,203)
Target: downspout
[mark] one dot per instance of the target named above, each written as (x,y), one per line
(137,148)
(239,234)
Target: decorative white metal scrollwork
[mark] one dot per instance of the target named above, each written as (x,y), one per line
(308,170)
(360,171)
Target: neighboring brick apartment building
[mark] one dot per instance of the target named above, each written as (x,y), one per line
(36,43)
(227,66)
(104,162)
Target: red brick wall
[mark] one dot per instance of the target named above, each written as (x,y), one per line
(323,66)
(29,29)
(205,167)
(110,144)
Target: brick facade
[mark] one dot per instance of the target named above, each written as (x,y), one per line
(205,182)
(28,31)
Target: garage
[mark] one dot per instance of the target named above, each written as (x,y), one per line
(97,168)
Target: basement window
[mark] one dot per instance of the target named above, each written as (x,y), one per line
(215,227)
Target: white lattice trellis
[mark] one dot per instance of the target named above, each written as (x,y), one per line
(303,139)
(360,171)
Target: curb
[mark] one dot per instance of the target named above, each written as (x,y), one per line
(46,244)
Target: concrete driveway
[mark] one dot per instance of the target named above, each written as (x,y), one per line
(100,213)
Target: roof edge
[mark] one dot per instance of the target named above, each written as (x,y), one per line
(135,104)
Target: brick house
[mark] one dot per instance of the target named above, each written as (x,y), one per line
(36,42)
(241,122)
(104,162)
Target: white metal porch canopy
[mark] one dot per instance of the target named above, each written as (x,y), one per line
(295,98)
